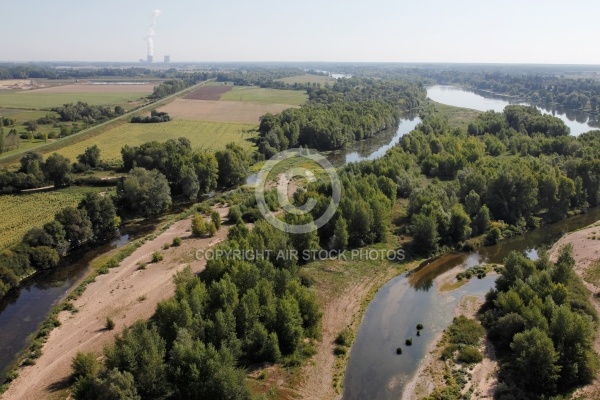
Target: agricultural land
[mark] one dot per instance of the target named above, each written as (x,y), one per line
(23,212)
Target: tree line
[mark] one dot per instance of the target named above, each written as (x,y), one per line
(540,319)
(199,342)
(93,221)
(351,110)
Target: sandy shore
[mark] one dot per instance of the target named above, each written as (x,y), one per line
(430,374)
(126,294)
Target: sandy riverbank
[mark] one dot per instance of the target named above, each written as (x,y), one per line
(126,294)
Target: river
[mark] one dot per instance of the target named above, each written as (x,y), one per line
(23,309)
(374,371)
(579,122)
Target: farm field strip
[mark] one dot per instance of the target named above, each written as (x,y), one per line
(209,92)
(99,88)
(202,134)
(37,100)
(23,212)
(303,79)
(265,96)
(220,111)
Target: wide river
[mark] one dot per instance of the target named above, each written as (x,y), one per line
(23,309)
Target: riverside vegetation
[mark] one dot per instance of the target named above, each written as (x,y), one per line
(506,173)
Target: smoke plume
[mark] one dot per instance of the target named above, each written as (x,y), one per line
(150,35)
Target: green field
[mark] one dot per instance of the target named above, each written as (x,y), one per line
(202,134)
(23,212)
(38,100)
(457,117)
(303,79)
(265,96)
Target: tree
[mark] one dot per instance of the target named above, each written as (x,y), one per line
(460,224)
(289,325)
(144,192)
(472,203)
(102,214)
(77,225)
(340,235)
(481,221)
(91,156)
(425,235)
(37,236)
(44,257)
(141,351)
(207,170)
(57,169)
(534,351)
(233,165)
(1,139)
(188,183)
(110,385)
(199,226)
(84,365)
(59,237)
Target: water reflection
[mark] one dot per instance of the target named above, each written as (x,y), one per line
(578,121)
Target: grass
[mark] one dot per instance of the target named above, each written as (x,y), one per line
(458,117)
(23,212)
(265,96)
(203,134)
(38,100)
(303,79)
(592,273)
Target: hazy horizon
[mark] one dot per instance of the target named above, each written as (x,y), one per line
(512,32)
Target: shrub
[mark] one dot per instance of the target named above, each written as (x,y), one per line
(166,246)
(157,257)
(84,365)
(399,350)
(344,338)
(199,227)
(409,342)
(419,327)
(469,355)
(215,217)
(211,229)
(110,324)
(176,241)
(235,214)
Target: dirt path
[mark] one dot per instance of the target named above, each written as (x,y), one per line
(126,294)
(586,250)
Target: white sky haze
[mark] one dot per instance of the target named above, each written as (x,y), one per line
(509,31)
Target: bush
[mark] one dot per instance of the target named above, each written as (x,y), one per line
(234,214)
(199,227)
(345,337)
(84,365)
(469,355)
(419,327)
(176,241)
(110,324)
(215,217)
(409,342)
(211,229)
(157,257)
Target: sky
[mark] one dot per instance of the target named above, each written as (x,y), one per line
(468,31)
